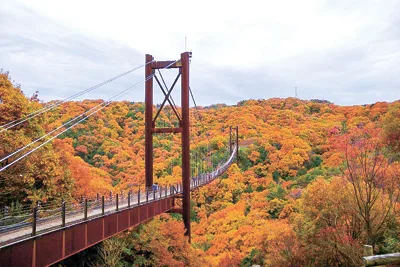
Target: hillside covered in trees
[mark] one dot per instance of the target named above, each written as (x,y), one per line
(315,181)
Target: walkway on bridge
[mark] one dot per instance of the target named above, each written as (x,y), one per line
(49,233)
(55,240)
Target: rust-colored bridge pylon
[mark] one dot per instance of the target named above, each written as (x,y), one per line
(49,234)
(183,118)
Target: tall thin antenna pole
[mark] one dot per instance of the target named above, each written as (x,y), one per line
(295,91)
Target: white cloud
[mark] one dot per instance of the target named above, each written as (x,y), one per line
(241,49)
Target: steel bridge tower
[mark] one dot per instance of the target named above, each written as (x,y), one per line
(184,122)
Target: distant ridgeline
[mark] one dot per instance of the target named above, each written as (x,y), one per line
(316,181)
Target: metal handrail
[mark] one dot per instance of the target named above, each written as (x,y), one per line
(88,209)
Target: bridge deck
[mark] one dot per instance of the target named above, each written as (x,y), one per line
(53,242)
(45,224)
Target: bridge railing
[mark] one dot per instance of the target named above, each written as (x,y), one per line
(47,217)
(210,176)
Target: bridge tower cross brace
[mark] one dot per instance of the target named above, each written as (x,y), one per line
(183,118)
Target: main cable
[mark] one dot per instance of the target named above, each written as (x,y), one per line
(196,107)
(49,133)
(201,121)
(52,106)
(203,128)
(105,104)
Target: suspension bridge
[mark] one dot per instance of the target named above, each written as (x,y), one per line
(46,233)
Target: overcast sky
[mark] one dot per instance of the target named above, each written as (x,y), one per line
(345,51)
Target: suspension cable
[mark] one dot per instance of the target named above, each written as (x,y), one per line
(52,106)
(49,133)
(201,121)
(105,104)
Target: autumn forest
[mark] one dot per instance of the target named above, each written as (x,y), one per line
(315,181)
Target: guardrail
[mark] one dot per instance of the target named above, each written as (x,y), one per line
(370,259)
(45,218)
